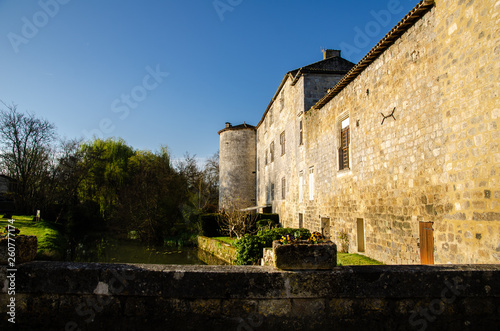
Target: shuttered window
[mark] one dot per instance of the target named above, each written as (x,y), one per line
(271,151)
(344,145)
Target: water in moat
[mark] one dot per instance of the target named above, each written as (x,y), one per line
(111,250)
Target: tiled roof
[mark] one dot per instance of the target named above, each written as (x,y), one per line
(237,127)
(332,65)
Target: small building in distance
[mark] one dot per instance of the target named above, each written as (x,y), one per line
(398,153)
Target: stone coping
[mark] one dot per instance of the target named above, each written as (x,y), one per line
(206,281)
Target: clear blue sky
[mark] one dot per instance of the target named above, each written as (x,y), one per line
(171,72)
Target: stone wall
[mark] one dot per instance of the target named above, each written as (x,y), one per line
(93,296)
(437,160)
(315,87)
(219,249)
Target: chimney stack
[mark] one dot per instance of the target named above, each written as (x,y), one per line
(228,125)
(328,53)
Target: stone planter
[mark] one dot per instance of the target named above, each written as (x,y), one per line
(25,249)
(305,256)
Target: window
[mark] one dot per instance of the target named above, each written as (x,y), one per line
(266,158)
(283,188)
(301,220)
(270,116)
(301,137)
(311,183)
(345,142)
(301,186)
(272,192)
(271,151)
(282,140)
(282,100)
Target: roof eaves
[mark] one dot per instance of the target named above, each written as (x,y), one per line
(237,127)
(283,81)
(408,21)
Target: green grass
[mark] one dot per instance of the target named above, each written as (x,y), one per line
(227,240)
(355,259)
(51,242)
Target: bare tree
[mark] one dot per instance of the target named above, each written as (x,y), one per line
(211,174)
(238,222)
(203,184)
(67,172)
(25,153)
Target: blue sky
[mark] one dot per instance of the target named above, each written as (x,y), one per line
(171,72)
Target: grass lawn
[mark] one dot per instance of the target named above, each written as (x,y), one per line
(227,240)
(355,259)
(51,242)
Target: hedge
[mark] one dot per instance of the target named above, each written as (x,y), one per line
(210,225)
(250,248)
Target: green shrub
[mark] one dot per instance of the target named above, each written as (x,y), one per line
(277,233)
(267,223)
(249,248)
(269,216)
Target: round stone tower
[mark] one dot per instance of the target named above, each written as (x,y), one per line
(237,158)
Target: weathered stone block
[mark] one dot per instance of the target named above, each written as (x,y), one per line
(304,255)
(24,247)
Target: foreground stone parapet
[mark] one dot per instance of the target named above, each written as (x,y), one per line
(93,296)
(303,255)
(24,247)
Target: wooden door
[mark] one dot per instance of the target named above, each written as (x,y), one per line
(361,234)
(426,243)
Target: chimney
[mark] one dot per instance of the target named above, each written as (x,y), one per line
(228,125)
(328,53)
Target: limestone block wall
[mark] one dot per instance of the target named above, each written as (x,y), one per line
(315,87)
(280,118)
(285,115)
(437,160)
(237,167)
(219,249)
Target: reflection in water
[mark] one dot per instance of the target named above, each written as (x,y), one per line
(111,250)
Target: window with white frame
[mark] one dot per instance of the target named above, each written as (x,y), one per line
(283,188)
(301,186)
(311,183)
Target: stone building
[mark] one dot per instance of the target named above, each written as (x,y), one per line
(399,152)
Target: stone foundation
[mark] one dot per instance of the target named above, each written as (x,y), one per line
(217,248)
